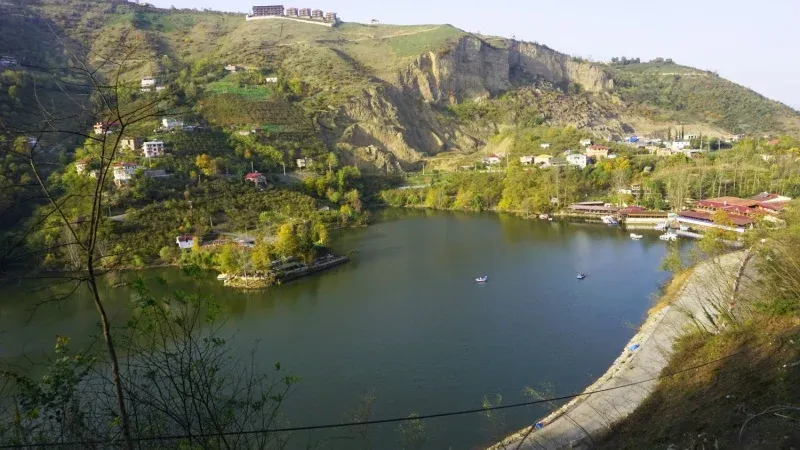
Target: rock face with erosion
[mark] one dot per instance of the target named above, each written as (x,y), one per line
(397,123)
(475,69)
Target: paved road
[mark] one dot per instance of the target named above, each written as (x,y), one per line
(705,293)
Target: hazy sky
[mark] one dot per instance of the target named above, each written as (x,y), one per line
(752,43)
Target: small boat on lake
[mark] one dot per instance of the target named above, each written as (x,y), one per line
(482,279)
(609,220)
(661,226)
(636,237)
(223,277)
(544,216)
(581,276)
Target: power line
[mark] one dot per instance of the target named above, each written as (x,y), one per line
(381,421)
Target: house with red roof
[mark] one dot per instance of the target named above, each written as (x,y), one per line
(256,178)
(491,159)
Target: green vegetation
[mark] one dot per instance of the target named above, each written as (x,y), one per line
(666,182)
(747,396)
(685,94)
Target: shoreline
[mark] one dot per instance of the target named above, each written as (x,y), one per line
(574,423)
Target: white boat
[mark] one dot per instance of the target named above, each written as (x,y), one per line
(482,279)
(672,237)
(544,216)
(636,237)
(223,277)
(581,276)
(661,226)
(609,220)
(684,227)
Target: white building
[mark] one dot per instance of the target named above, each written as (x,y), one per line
(526,160)
(542,160)
(123,172)
(171,124)
(544,145)
(577,160)
(153,149)
(491,160)
(148,82)
(185,242)
(230,68)
(302,163)
(271,79)
(586,142)
(680,145)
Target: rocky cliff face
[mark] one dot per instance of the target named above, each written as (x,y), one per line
(391,127)
(474,69)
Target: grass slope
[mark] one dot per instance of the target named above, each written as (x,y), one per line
(686,94)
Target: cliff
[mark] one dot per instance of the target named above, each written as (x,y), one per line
(475,69)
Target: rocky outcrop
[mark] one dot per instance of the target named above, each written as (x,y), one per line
(393,125)
(391,129)
(474,69)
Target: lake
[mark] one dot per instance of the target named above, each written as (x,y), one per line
(405,322)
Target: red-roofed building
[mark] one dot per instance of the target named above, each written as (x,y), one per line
(256,178)
(491,159)
(704,219)
(766,197)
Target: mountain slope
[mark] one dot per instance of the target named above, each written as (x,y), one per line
(382,95)
(684,93)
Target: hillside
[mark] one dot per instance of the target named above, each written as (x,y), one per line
(683,93)
(383,96)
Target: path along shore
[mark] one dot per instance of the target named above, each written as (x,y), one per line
(574,424)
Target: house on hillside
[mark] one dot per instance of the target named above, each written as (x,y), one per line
(544,145)
(526,160)
(258,179)
(101,128)
(153,149)
(577,160)
(169,123)
(586,142)
(491,160)
(230,68)
(81,165)
(271,79)
(148,82)
(304,13)
(271,10)
(317,14)
(542,160)
(597,151)
(680,145)
(123,172)
(291,12)
(303,163)
(331,17)
(185,242)
(558,161)
(128,143)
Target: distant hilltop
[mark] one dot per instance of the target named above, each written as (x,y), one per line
(316,16)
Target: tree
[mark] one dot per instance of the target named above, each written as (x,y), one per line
(260,255)
(332,161)
(206,164)
(229,259)
(287,243)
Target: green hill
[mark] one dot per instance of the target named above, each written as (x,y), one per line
(383,95)
(685,94)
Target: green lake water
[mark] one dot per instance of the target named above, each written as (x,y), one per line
(405,322)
